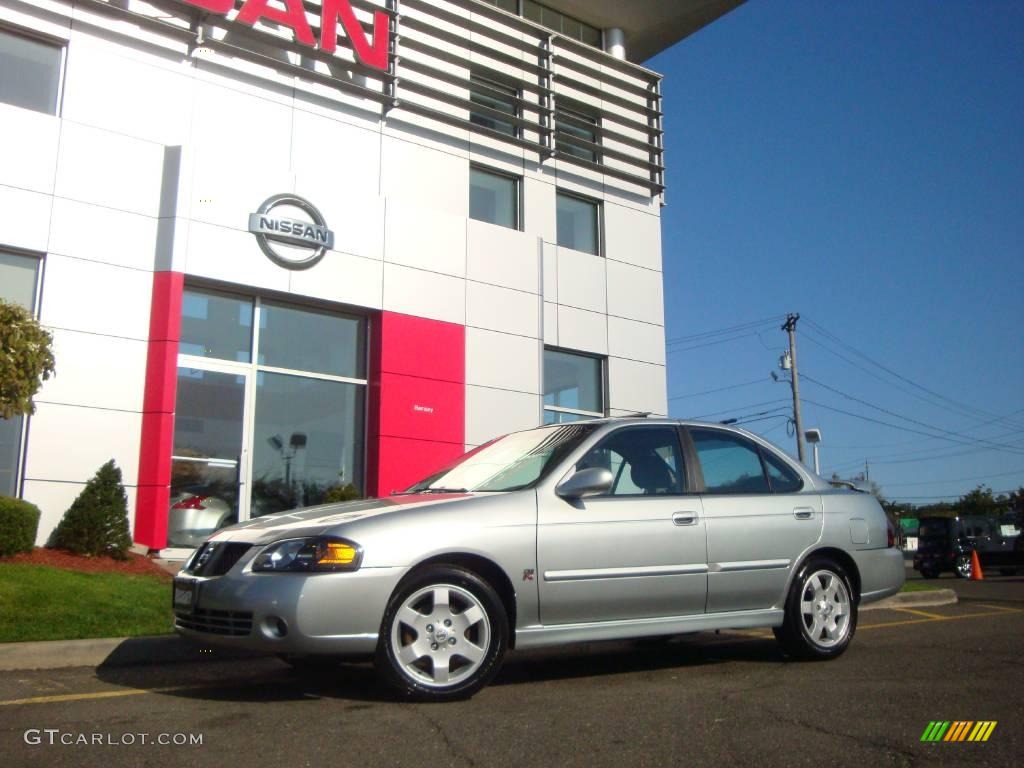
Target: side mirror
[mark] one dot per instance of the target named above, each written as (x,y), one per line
(586,482)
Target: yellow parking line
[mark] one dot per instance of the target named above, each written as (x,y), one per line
(1000,608)
(936,616)
(944,618)
(100,695)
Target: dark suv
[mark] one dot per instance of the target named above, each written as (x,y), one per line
(945,544)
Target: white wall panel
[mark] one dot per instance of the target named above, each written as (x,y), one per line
(583,331)
(105,168)
(494,412)
(632,236)
(424,294)
(341,277)
(229,254)
(581,280)
(635,293)
(28,152)
(357,222)
(96,233)
(634,386)
(550,324)
(69,443)
(96,371)
(343,157)
(502,309)
(419,237)
(539,209)
(502,361)
(635,340)
(24,218)
(427,177)
(502,256)
(96,298)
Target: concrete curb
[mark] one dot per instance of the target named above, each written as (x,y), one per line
(923,599)
(111,652)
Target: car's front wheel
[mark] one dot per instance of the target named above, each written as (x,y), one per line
(821,612)
(443,636)
(963,566)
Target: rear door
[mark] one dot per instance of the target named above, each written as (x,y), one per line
(758,520)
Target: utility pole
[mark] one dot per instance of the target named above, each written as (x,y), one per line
(790,328)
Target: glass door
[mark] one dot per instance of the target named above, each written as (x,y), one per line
(208,466)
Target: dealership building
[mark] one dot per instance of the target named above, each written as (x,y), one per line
(293,250)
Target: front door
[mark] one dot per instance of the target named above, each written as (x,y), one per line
(636,552)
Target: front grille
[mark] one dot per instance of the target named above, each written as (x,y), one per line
(216,558)
(230,623)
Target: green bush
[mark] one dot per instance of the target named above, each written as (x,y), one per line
(97,521)
(26,359)
(341,493)
(19,522)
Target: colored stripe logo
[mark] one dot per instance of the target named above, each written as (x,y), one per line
(958,730)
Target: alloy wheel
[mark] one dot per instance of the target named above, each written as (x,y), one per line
(825,609)
(440,635)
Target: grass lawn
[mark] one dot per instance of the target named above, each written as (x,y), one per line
(918,586)
(42,603)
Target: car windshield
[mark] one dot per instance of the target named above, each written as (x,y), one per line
(508,463)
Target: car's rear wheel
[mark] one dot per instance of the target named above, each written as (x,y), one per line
(443,636)
(820,613)
(963,566)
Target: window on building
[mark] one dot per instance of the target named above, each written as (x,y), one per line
(495,96)
(559,22)
(494,197)
(512,6)
(730,464)
(29,72)
(18,278)
(270,410)
(573,387)
(578,223)
(576,125)
(644,461)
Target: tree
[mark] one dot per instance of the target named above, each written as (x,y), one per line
(26,359)
(97,521)
(978,502)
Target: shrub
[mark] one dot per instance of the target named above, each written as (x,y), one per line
(26,359)
(341,493)
(19,522)
(97,521)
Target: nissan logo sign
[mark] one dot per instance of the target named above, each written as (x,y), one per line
(312,236)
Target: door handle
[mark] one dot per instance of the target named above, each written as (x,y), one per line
(684,518)
(803,513)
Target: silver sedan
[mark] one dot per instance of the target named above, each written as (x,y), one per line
(597,530)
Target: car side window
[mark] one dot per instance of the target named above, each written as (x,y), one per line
(782,477)
(644,461)
(730,464)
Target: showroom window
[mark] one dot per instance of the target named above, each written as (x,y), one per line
(559,22)
(573,124)
(495,96)
(578,223)
(573,387)
(269,413)
(30,71)
(19,276)
(494,197)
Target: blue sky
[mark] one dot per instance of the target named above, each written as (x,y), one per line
(861,164)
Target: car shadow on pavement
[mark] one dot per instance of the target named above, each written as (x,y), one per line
(268,680)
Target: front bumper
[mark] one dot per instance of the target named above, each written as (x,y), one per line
(323,613)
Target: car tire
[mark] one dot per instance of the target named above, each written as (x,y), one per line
(820,613)
(962,566)
(443,637)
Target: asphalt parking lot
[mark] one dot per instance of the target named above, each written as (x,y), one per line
(726,699)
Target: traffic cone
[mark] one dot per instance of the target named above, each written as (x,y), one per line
(976,574)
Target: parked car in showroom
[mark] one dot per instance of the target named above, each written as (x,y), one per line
(594,530)
(946,543)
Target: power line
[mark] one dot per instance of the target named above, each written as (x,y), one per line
(720,389)
(739,408)
(1012,449)
(956,479)
(904,418)
(723,331)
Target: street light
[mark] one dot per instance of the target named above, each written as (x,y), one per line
(813,437)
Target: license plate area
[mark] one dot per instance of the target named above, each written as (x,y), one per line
(185,593)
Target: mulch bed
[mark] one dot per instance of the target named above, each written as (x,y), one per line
(135,565)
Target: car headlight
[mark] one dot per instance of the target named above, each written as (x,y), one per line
(310,555)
